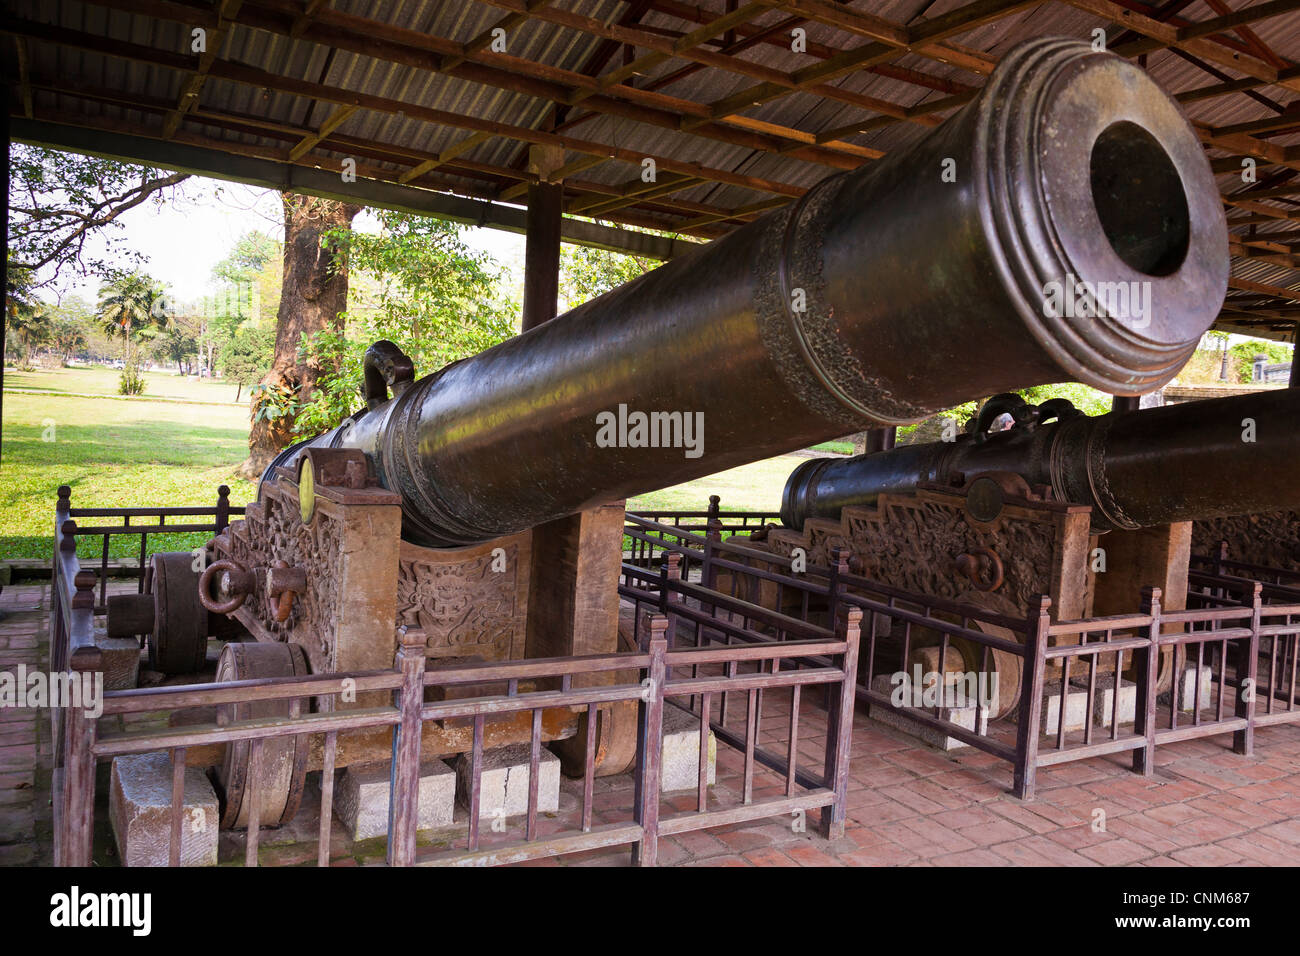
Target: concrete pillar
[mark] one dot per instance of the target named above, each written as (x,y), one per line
(542,238)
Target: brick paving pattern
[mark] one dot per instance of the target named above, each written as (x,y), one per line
(908,805)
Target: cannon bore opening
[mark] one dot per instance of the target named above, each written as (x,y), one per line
(1140,199)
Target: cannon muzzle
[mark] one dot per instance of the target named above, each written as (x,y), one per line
(1064,225)
(1206,459)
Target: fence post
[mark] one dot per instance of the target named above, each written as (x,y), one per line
(77,818)
(223,509)
(1028,727)
(404,777)
(668,597)
(712,536)
(1243,741)
(649,747)
(839,728)
(1148,673)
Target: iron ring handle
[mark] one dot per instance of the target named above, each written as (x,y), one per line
(238,583)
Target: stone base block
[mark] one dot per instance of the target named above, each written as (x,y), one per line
(504,782)
(139,806)
(121,661)
(1076,707)
(968,718)
(1187,689)
(680,767)
(1105,697)
(362,796)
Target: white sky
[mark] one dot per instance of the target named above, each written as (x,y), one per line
(183,240)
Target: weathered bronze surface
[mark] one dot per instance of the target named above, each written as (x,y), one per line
(883,295)
(1223,456)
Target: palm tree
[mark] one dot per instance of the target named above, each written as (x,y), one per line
(132,304)
(68,337)
(24,313)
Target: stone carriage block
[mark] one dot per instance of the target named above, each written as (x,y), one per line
(362,796)
(968,718)
(120,661)
(504,781)
(1076,707)
(680,764)
(139,806)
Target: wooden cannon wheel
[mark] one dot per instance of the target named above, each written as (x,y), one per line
(284,759)
(178,643)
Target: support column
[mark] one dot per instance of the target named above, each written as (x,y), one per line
(542,238)
(4,226)
(1294,380)
(1125,403)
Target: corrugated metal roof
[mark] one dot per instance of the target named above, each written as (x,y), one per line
(94,85)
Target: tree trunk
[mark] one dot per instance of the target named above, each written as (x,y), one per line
(315,292)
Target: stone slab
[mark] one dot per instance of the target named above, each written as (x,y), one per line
(139,806)
(504,781)
(361,798)
(965,717)
(680,766)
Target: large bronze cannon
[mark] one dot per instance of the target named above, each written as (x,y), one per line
(1136,469)
(987,256)
(1086,510)
(1064,226)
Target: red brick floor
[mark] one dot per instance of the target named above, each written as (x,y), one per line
(908,804)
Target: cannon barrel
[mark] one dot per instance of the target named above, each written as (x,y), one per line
(1222,456)
(987,256)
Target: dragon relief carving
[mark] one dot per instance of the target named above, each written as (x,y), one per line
(1271,539)
(465,607)
(912,544)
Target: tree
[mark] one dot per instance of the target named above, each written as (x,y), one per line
(246,357)
(422,288)
(58,200)
(586,273)
(68,336)
(314,296)
(132,304)
(179,341)
(25,315)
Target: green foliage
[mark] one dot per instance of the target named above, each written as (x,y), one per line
(434,296)
(246,357)
(250,254)
(58,200)
(274,402)
(586,273)
(25,315)
(1243,356)
(132,304)
(1085,399)
(131,382)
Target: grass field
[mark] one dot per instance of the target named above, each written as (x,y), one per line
(139,453)
(98,380)
(112,454)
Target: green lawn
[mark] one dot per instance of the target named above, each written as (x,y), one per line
(752,487)
(112,454)
(139,453)
(98,380)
